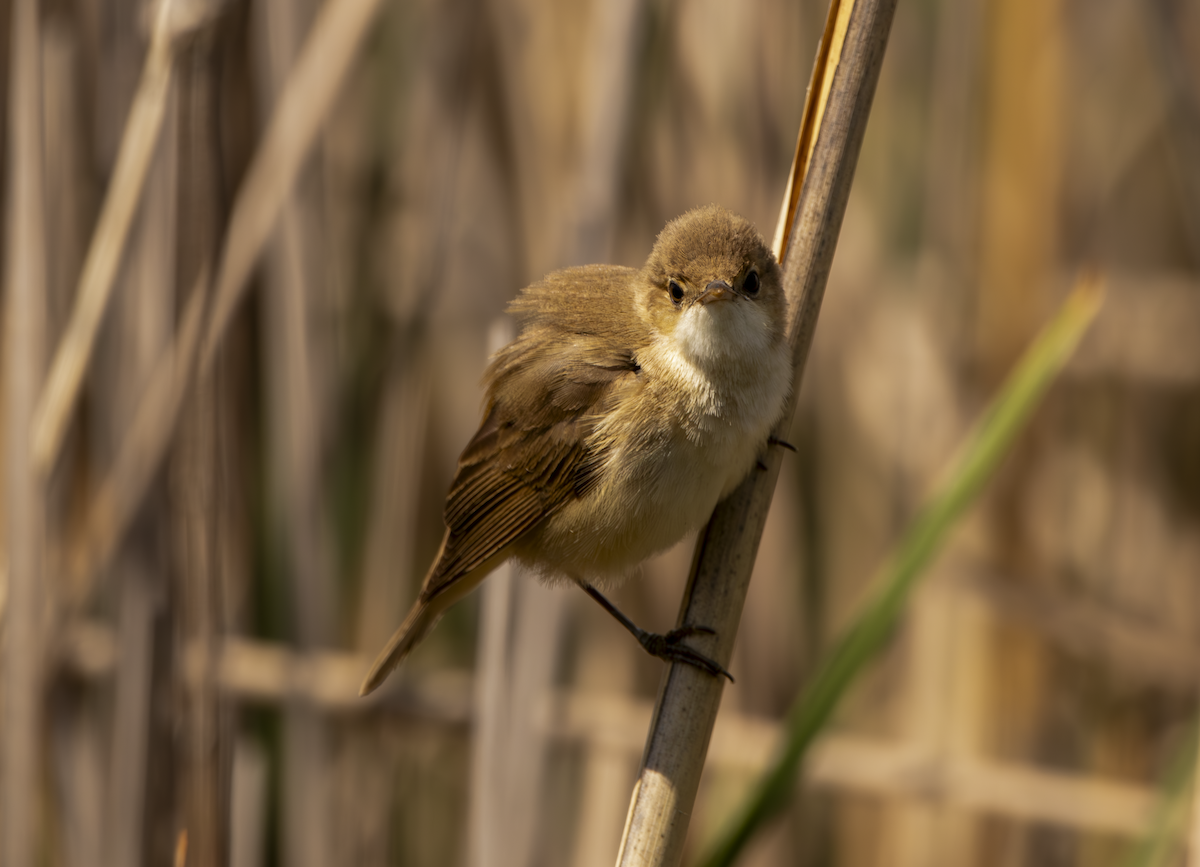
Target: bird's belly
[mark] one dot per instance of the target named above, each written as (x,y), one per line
(647,500)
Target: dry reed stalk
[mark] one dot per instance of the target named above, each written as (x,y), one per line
(140,326)
(75,743)
(539,625)
(198,482)
(129,753)
(949,202)
(247,837)
(1021,183)
(1165,31)
(606,112)
(205,739)
(24,322)
(78,767)
(487,839)
(844,81)
(295,266)
(603,688)
(295,415)
(947,211)
(107,245)
(1022,176)
(65,165)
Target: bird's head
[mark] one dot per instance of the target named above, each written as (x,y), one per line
(713,285)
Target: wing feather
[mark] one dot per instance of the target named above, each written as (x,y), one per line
(530,455)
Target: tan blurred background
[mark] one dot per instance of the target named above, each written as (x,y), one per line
(190,690)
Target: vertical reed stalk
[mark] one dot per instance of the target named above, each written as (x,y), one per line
(294,273)
(25,288)
(198,479)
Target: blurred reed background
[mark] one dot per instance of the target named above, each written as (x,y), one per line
(240,505)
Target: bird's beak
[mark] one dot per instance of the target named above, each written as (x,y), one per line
(717,290)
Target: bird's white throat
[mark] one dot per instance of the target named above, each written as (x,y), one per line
(723,332)
(727,366)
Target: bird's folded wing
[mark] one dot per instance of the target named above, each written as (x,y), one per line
(530,456)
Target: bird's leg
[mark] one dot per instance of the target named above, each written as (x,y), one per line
(663,646)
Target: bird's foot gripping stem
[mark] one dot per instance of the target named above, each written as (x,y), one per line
(667,646)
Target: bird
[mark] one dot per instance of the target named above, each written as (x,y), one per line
(631,402)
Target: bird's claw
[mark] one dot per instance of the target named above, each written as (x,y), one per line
(670,648)
(776,441)
(677,635)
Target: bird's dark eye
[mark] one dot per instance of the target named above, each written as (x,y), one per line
(750,284)
(676,291)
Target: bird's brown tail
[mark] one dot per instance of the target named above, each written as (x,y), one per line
(416,626)
(426,612)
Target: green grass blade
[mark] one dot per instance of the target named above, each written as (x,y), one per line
(989,441)
(1161,844)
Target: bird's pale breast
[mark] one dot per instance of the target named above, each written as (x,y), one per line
(668,467)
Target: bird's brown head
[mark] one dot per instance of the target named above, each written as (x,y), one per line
(712,283)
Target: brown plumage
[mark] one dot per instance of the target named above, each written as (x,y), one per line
(631,402)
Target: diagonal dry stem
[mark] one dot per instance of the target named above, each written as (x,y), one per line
(844,77)
(107,246)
